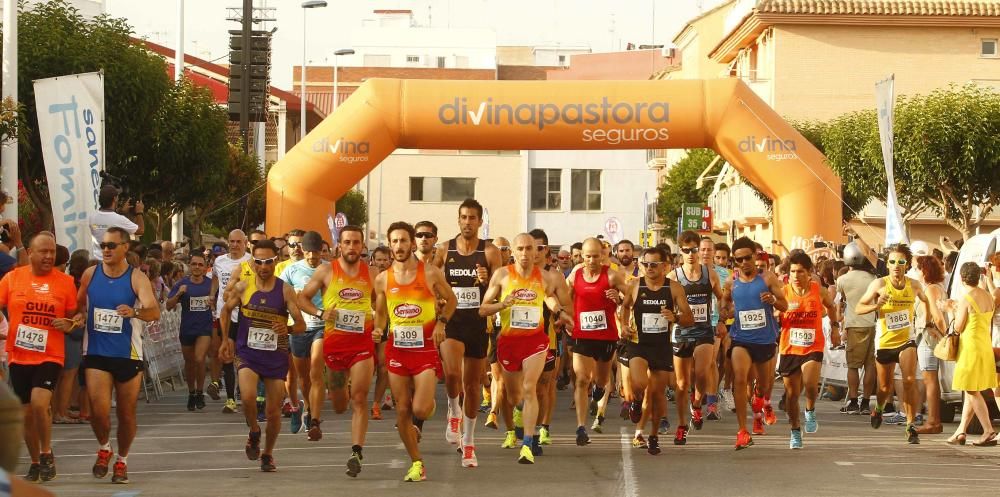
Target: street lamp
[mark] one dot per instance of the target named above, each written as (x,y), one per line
(336,82)
(308,4)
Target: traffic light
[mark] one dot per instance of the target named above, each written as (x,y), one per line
(254,63)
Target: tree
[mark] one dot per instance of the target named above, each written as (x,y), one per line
(224,208)
(353,205)
(681,187)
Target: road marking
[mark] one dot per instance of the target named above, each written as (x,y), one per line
(843,463)
(631,487)
(992,467)
(946,478)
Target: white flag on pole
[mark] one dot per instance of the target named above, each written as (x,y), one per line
(71,127)
(885,100)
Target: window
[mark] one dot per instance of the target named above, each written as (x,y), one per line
(441,61)
(586,190)
(562,60)
(988,48)
(426,189)
(412,59)
(545,189)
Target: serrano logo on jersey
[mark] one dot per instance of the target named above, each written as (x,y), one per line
(407,310)
(525,294)
(350,294)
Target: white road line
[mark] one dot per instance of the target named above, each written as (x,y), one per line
(946,478)
(241,468)
(628,480)
(989,467)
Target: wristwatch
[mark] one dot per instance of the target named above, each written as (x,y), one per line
(319,314)
(442,320)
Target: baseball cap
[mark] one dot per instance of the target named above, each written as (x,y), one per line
(920,247)
(219,249)
(312,242)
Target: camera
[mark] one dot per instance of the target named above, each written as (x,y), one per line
(115,181)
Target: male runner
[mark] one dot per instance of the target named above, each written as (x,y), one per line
(38,300)
(381,260)
(706,253)
(802,342)
(406,307)
(261,347)
(467,262)
(658,303)
(894,297)
(344,291)
(523,290)
(752,297)
(292,407)
(596,291)
(193,293)
(222,271)
(112,346)
(722,266)
(693,345)
(497,395)
(426,242)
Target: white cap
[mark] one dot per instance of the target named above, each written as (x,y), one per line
(565,248)
(920,247)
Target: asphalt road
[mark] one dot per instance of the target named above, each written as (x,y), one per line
(179,453)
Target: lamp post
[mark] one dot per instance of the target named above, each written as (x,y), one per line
(308,4)
(336,81)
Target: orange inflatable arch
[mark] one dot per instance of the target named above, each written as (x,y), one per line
(723,114)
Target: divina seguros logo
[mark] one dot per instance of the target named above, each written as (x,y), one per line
(349,151)
(605,113)
(775,148)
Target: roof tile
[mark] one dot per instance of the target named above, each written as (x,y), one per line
(882,7)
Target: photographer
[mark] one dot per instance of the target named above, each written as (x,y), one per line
(108,217)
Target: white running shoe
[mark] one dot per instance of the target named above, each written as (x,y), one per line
(451,431)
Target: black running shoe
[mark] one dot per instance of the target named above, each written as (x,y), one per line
(34,473)
(635,410)
(876,419)
(199,401)
(267,463)
(911,435)
(253,446)
(851,407)
(581,436)
(191,402)
(354,464)
(47,466)
(653,445)
(865,408)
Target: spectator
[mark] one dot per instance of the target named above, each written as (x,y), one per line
(168,250)
(107,216)
(975,369)
(931,274)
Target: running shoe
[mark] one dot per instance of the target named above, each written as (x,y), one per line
(253,446)
(664,426)
(596,397)
(728,400)
(120,472)
(696,419)
(190,404)
(387,403)
(911,435)
(889,407)
(286,408)
(562,382)
(229,407)
(598,425)
(376,412)
(416,472)
(743,440)
(34,472)
(795,442)
(876,419)
(418,432)
(267,463)
(526,457)
(47,466)
(639,442)
(758,425)
(199,401)
(581,436)
(295,424)
(100,469)
(354,464)
(635,410)
(864,408)
(670,394)
(536,448)
(491,420)
(713,412)
(314,433)
(469,457)
(653,446)
(769,416)
(451,430)
(518,423)
(896,418)
(213,390)
(261,406)
(543,436)
(509,441)
(812,424)
(681,436)
(851,407)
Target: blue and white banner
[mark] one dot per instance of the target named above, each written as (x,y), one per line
(71,126)
(885,100)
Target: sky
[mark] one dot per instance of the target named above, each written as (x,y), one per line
(604,25)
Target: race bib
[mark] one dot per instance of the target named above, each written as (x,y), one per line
(593,321)
(468,297)
(895,321)
(525,317)
(802,337)
(700,312)
(408,337)
(32,339)
(107,321)
(262,339)
(654,323)
(350,321)
(752,320)
(198,304)
(312,322)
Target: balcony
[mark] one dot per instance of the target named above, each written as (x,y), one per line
(736,205)
(656,159)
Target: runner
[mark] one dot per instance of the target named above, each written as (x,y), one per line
(260,349)
(112,346)
(722,265)
(802,342)
(596,292)
(381,260)
(751,298)
(894,298)
(344,290)
(193,293)
(497,394)
(706,253)
(693,345)
(222,271)
(426,242)
(307,348)
(467,262)
(658,303)
(415,328)
(292,407)
(523,289)
(39,301)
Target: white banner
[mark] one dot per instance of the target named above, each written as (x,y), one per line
(71,126)
(885,101)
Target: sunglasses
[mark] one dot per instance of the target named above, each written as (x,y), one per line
(745,258)
(563,257)
(294,244)
(541,248)
(893,262)
(265,262)
(504,249)
(653,265)
(689,250)
(109,245)
(425,234)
